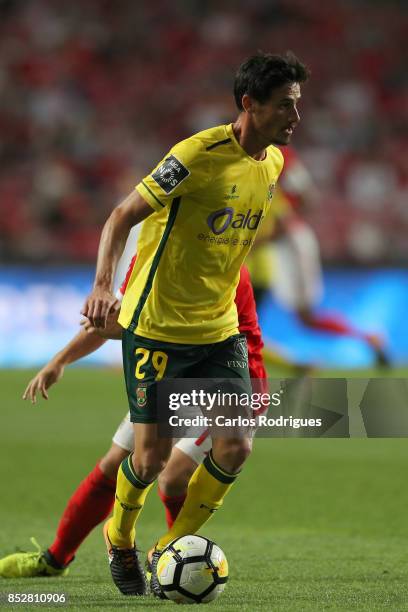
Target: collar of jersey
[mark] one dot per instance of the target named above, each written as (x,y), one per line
(231,134)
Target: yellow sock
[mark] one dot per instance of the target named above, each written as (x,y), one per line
(130,497)
(206,491)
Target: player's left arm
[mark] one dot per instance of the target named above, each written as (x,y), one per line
(81,345)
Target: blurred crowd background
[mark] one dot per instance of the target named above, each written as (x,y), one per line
(95,92)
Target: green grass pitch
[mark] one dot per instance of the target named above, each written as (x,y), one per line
(310,525)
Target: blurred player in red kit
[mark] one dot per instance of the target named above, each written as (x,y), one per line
(295,264)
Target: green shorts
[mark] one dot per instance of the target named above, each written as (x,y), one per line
(146,362)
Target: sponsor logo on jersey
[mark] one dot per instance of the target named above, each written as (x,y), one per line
(220,220)
(141,396)
(170,174)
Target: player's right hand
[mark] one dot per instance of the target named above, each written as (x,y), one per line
(49,375)
(112,329)
(98,305)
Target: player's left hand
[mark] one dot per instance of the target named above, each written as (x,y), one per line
(42,381)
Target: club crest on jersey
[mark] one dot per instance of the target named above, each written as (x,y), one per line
(170,174)
(271,190)
(141,396)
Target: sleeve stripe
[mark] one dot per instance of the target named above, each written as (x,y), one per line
(152,194)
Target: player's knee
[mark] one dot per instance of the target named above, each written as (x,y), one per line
(109,464)
(232,455)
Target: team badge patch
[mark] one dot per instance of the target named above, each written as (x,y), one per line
(271,189)
(170,174)
(141,396)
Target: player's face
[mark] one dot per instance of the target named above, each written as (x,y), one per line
(275,120)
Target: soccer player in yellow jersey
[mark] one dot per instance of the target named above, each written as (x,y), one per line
(201,206)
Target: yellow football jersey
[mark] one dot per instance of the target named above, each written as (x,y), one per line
(210,197)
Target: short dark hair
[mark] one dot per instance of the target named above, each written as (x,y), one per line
(261,73)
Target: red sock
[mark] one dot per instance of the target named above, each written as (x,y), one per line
(87,507)
(334,324)
(172,506)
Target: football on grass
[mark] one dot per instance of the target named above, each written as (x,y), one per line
(192,569)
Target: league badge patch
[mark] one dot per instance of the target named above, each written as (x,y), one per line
(170,174)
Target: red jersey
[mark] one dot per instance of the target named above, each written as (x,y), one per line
(247,317)
(248,324)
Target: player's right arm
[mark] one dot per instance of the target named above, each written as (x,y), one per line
(133,210)
(80,346)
